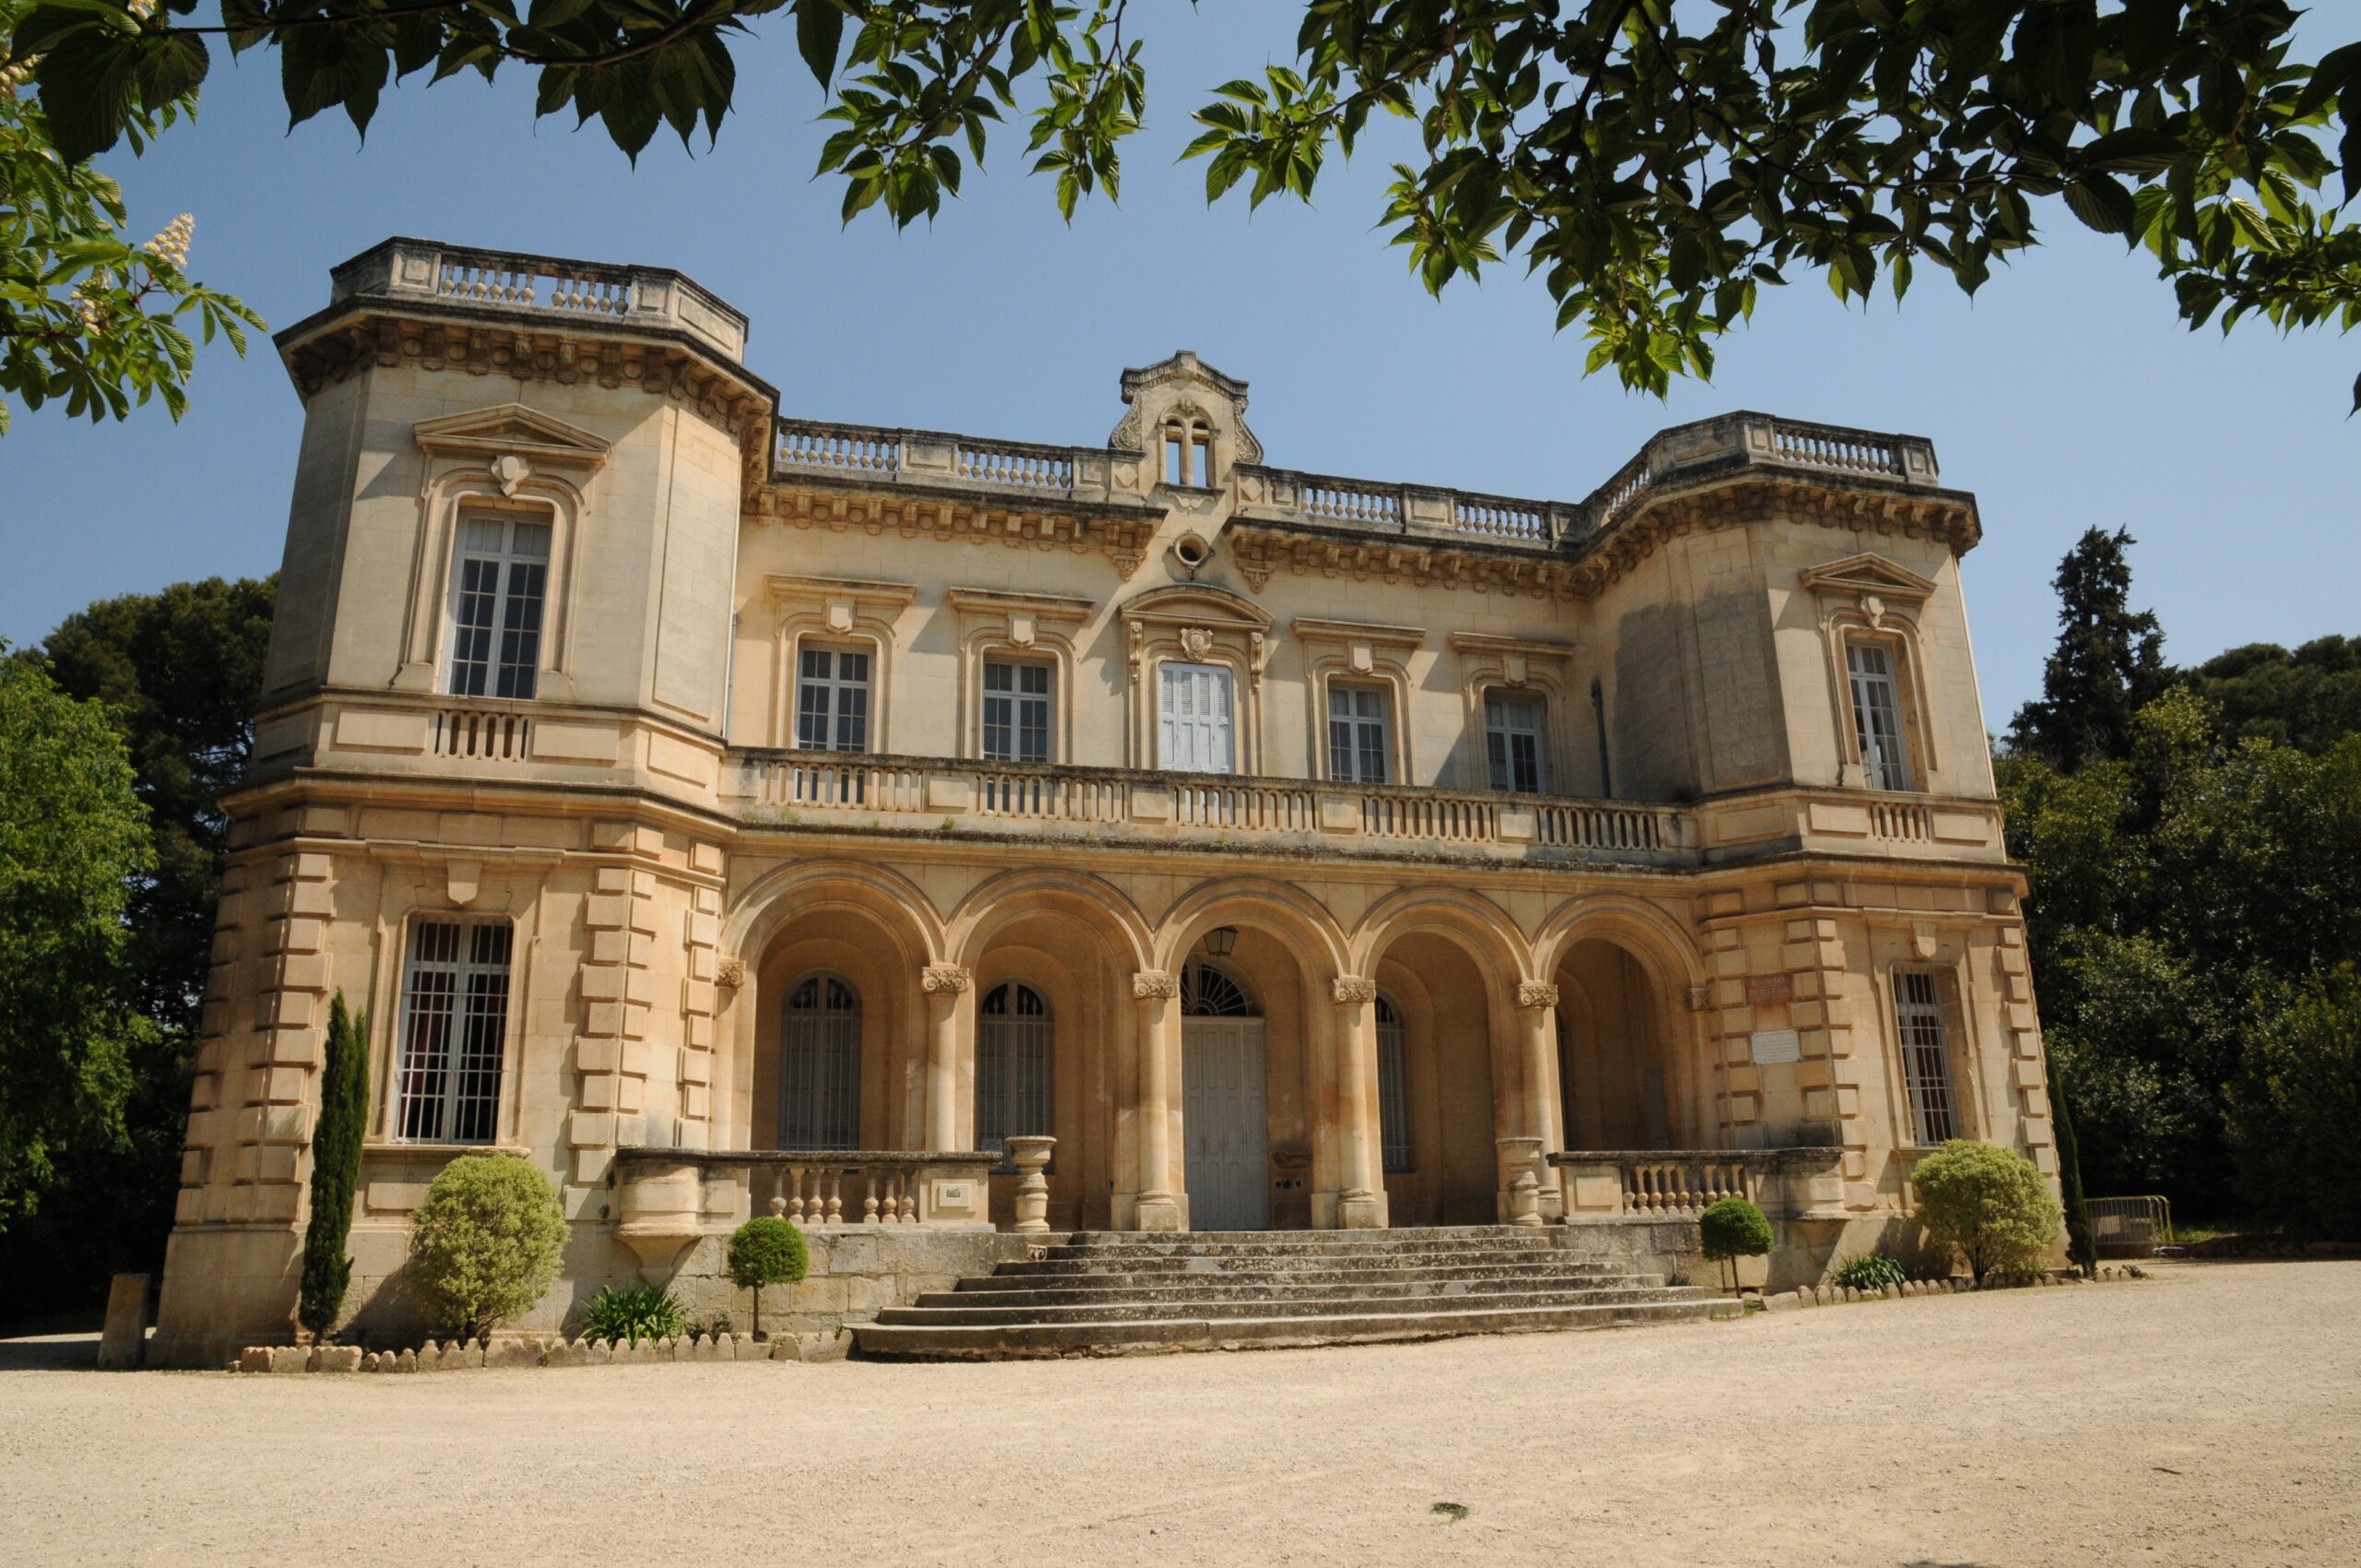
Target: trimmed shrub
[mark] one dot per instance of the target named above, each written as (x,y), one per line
(485,1244)
(1733,1228)
(630,1313)
(1988,1203)
(336,1169)
(1874,1272)
(766,1250)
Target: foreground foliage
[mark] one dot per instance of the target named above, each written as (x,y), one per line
(486,1243)
(1873,1271)
(1656,165)
(73,839)
(2296,1105)
(1989,1204)
(629,1313)
(89,317)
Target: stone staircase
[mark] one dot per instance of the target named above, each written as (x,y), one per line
(1105,1293)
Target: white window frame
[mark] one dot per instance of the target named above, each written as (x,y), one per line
(1022,712)
(1355,737)
(1218,741)
(508,656)
(835,689)
(456,980)
(1929,1084)
(1880,727)
(1502,772)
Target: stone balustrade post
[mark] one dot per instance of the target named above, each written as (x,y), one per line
(1030,1153)
(944,984)
(1360,1203)
(1521,1185)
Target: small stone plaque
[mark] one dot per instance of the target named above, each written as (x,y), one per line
(1767,1046)
(1769,988)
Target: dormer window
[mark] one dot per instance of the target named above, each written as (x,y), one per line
(1188,452)
(498,590)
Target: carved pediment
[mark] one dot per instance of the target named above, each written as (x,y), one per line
(1196,604)
(1183,381)
(513,429)
(1867,574)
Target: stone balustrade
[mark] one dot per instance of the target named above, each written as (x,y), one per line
(1801,1183)
(512,282)
(1034,800)
(670,1197)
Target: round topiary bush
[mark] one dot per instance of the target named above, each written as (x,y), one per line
(1733,1228)
(485,1244)
(766,1251)
(1988,1203)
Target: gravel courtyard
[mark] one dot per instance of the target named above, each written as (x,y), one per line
(2210,1416)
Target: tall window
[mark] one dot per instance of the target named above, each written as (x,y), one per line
(1188,452)
(819,1099)
(1512,730)
(455,1019)
(501,581)
(1012,1066)
(1877,716)
(1193,710)
(1926,1057)
(1357,734)
(1392,1087)
(1016,711)
(832,700)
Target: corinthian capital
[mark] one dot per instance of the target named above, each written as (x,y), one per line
(1351,989)
(1534,995)
(938,978)
(1156,985)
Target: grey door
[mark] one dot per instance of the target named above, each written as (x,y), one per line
(1225,1123)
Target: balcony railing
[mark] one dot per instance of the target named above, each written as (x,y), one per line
(784,787)
(1683,1184)
(672,1197)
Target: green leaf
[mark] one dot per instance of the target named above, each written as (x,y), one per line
(819,34)
(2102,203)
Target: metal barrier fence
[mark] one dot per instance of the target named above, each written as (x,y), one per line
(2130,1227)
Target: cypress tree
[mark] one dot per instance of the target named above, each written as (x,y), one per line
(2081,1247)
(2108,664)
(336,1169)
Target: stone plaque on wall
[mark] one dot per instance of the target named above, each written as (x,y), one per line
(1768,1045)
(1769,988)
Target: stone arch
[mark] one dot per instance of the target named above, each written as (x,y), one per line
(1284,912)
(1472,921)
(1098,904)
(1631,1066)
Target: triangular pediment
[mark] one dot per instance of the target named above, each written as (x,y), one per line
(513,428)
(1867,574)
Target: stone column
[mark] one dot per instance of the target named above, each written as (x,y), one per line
(1158,993)
(1537,1003)
(944,984)
(1360,1204)
(1030,1154)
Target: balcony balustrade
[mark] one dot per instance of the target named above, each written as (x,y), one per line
(791,787)
(1802,1183)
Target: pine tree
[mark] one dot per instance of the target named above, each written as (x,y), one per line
(336,1169)
(2108,664)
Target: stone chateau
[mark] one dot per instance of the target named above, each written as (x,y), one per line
(734,812)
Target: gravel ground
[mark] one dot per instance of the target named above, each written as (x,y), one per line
(2212,1415)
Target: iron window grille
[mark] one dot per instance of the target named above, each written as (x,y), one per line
(1926,1057)
(819,1102)
(1393,1087)
(1013,1046)
(455,1022)
(1208,992)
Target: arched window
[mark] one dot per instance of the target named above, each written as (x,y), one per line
(1210,992)
(1013,1048)
(1188,452)
(1392,1087)
(819,1071)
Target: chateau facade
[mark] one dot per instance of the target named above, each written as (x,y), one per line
(726,811)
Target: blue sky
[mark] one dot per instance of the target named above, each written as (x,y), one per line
(2067,395)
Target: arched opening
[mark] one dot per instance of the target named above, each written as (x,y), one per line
(1441,1155)
(819,1098)
(1225,1108)
(1614,1073)
(1015,1047)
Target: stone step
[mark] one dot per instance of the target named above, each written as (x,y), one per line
(1216,1265)
(1340,1282)
(1391,1244)
(966,1314)
(1030,1340)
